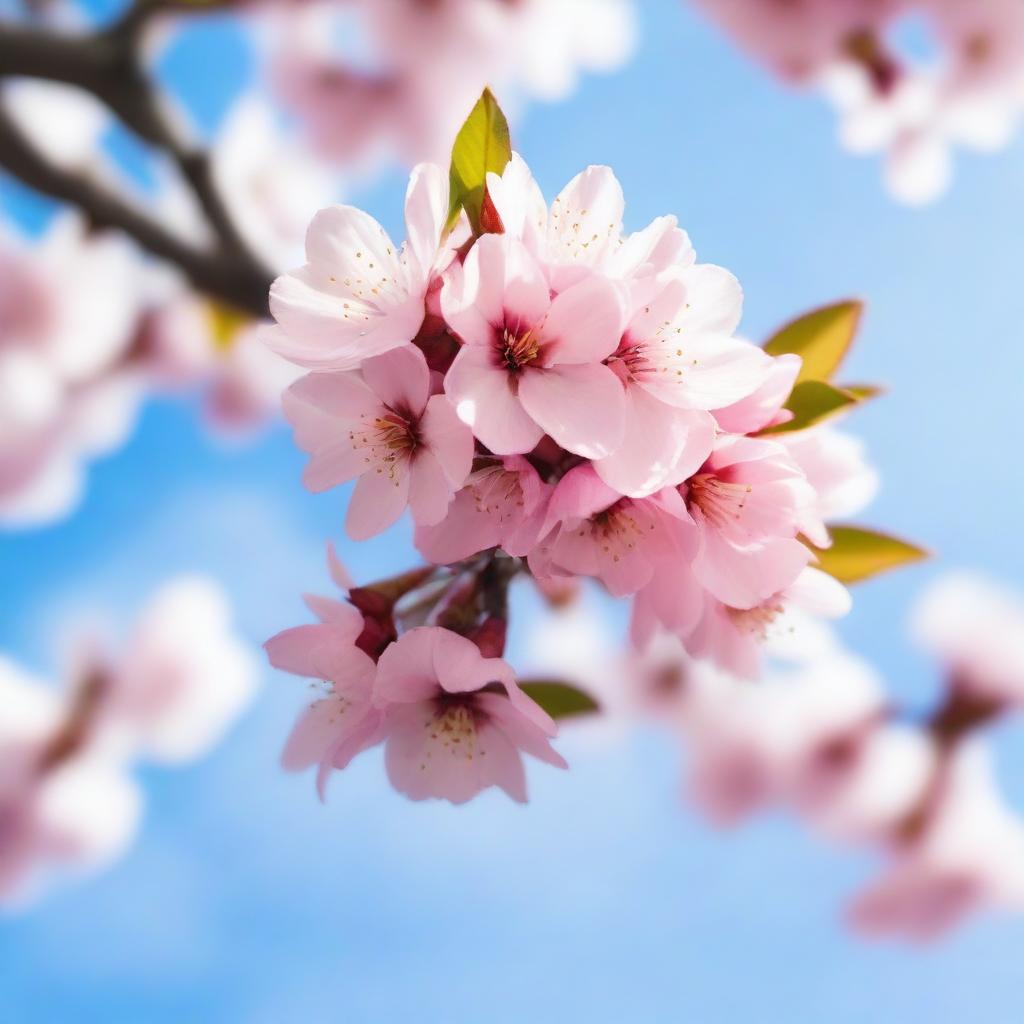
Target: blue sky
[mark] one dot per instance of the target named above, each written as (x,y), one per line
(605,899)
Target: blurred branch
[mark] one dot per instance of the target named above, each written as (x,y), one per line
(212,272)
(108,65)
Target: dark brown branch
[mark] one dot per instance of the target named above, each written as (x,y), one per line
(212,272)
(107,65)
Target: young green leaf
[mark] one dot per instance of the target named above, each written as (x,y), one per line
(811,402)
(559,699)
(857,554)
(863,392)
(483,145)
(821,338)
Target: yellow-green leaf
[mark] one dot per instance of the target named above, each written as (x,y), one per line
(821,338)
(483,145)
(863,392)
(558,699)
(810,402)
(857,554)
(226,323)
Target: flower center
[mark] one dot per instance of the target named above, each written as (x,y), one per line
(390,436)
(629,361)
(496,492)
(720,502)
(756,621)
(518,350)
(658,358)
(617,530)
(455,723)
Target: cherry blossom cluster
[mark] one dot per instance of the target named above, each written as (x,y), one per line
(451,715)
(969,93)
(819,736)
(397,75)
(546,395)
(68,799)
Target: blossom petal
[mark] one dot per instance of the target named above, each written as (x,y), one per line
(448,438)
(484,400)
(743,577)
(430,493)
(319,403)
(661,446)
(378,501)
(426,210)
(584,324)
(710,371)
(583,407)
(405,671)
(586,217)
(353,298)
(400,379)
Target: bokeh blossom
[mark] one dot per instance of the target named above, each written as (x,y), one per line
(967,89)
(400,74)
(66,391)
(168,693)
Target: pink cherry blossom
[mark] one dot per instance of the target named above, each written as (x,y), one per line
(753,746)
(65,394)
(67,797)
(837,469)
(421,66)
(79,813)
(183,676)
(358,294)
(502,504)
(583,229)
(341,722)
(968,856)
(984,42)
(80,817)
(454,722)
(764,406)
(787,624)
(864,785)
(976,629)
(592,530)
(676,359)
(532,364)
(798,40)
(889,98)
(747,502)
(382,426)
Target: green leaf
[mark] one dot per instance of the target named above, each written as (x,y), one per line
(821,338)
(810,402)
(483,145)
(558,699)
(857,554)
(863,392)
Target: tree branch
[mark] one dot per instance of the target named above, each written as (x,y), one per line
(232,281)
(107,65)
